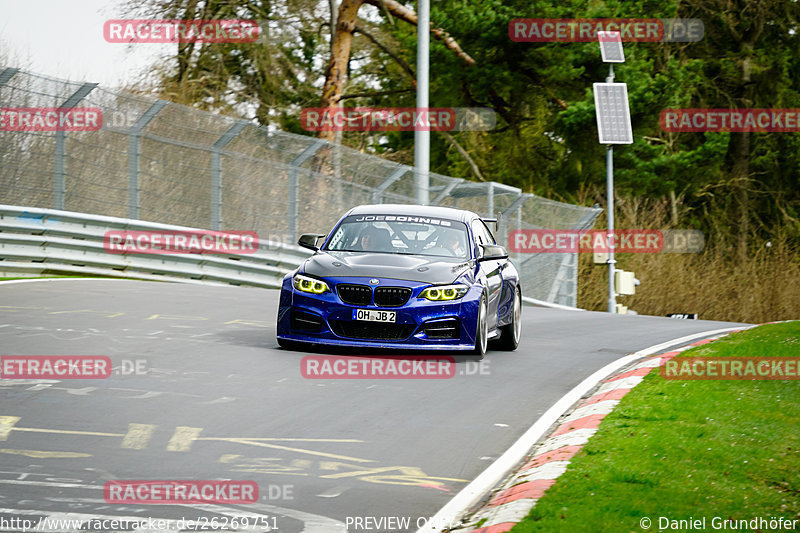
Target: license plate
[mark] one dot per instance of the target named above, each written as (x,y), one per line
(372,315)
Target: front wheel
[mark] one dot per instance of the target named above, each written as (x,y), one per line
(481,328)
(510,333)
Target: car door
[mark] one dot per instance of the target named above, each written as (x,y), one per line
(492,270)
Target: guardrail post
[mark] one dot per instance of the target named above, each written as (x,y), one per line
(7,74)
(516,205)
(59,185)
(133,157)
(491,199)
(377,193)
(216,172)
(299,160)
(567,273)
(445,192)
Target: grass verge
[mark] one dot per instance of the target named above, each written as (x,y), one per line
(688,450)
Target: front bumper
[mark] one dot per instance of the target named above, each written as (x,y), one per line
(420,323)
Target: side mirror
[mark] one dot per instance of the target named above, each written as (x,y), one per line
(309,240)
(490,252)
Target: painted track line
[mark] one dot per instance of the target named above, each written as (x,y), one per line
(451,513)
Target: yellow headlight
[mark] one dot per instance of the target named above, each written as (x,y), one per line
(314,286)
(444,293)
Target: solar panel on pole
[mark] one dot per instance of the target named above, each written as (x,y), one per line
(611,46)
(613,113)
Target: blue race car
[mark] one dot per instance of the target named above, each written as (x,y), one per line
(403,276)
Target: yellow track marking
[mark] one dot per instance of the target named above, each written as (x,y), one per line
(182,439)
(138,436)
(300,450)
(68,432)
(256,323)
(40,454)
(7,424)
(176,317)
(289,439)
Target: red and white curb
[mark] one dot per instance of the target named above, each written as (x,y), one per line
(549,459)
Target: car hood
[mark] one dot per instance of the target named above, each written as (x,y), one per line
(419,268)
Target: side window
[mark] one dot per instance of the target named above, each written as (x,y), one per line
(482,233)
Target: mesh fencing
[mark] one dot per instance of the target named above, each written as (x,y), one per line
(163,162)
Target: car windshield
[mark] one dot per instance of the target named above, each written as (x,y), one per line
(398,234)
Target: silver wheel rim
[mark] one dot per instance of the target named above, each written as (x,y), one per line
(517,316)
(482,328)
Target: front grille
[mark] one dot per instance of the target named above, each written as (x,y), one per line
(354,294)
(392,296)
(371,330)
(305,321)
(448,328)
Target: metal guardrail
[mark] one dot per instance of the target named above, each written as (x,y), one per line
(36,241)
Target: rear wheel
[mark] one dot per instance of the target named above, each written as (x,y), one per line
(482,328)
(510,333)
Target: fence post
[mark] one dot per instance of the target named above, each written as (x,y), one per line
(59,185)
(299,160)
(567,274)
(133,157)
(446,190)
(7,74)
(216,172)
(377,193)
(502,220)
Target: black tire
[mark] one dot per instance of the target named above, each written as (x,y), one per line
(482,329)
(511,333)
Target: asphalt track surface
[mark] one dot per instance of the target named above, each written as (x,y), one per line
(220,400)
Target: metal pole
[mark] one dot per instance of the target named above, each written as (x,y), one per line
(612,301)
(309,151)
(59,181)
(422,139)
(216,172)
(377,192)
(134,154)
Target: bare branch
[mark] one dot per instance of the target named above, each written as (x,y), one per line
(378,93)
(399,60)
(402,12)
(472,165)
